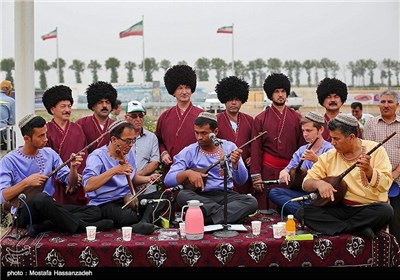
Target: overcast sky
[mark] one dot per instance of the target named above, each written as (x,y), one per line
(178,30)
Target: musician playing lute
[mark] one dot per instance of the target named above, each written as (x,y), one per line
(208,187)
(27,168)
(312,125)
(364,208)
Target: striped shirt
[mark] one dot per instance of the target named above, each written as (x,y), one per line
(376,129)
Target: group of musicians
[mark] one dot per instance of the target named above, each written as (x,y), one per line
(351,175)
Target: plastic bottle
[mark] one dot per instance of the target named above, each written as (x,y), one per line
(290,226)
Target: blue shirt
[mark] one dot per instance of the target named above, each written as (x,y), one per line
(7,110)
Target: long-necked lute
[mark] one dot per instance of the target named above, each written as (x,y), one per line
(188,185)
(297,174)
(339,184)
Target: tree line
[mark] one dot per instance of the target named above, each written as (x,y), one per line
(255,71)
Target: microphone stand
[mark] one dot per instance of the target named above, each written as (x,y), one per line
(17,236)
(225,232)
(267,211)
(302,230)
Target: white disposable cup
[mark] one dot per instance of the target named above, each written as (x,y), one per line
(277,231)
(182,229)
(256,227)
(126,233)
(283,224)
(91,233)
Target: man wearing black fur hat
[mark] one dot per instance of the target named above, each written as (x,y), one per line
(332,94)
(64,137)
(101,98)
(175,126)
(273,151)
(234,125)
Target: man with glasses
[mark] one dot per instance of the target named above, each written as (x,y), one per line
(106,181)
(145,149)
(101,98)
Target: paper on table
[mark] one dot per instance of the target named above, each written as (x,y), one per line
(237,227)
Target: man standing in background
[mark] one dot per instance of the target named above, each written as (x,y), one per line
(145,148)
(7,111)
(377,129)
(65,137)
(234,125)
(175,126)
(357,112)
(101,98)
(272,152)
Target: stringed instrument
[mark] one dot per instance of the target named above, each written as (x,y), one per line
(187,185)
(340,185)
(130,199)
(297,174)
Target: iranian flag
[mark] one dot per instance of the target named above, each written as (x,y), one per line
(50,35)
(134,30)
(225,29)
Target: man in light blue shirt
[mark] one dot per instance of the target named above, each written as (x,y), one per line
(7,110)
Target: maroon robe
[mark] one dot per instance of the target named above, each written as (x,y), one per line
(326,134)
(93,131)
(239,137)
(65,142)
(175,131)
(282,139)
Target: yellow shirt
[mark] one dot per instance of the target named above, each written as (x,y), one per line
(359,189)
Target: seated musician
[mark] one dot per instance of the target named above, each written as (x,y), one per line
(106,181)
(364,208)
(312,126)
(209,188)
(28,167)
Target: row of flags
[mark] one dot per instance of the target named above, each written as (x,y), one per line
(137,30)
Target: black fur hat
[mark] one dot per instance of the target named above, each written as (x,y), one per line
(180,75)
(99,90)
(275,81)
(232,87)
(56,94)
(331,85)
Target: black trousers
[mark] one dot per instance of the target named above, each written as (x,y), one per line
(333,220)
(394,226)
(65,218)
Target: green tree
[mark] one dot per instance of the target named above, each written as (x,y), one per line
(289,66)
(371,66)
(62,65)
(130,66)
(42,66)
(182,62)
(150,66)
(251,66)
(274,65)
(165,64)
(94,67)
(220,66)
(334,68)
(353,71)
(202,65)
(78,66)
(113,64)
(388,63)
(7,65)
(317,65)
(308,65)
(241,70)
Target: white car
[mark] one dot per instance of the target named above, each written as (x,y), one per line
(212,103)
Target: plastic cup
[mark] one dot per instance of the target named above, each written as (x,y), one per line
(277,231)
(256,227)
(91,233)
(182,230)
(126,233)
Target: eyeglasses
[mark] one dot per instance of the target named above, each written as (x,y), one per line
(128,141)
(134,116)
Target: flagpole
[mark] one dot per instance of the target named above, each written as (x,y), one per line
(233,61)
(144,75)
(58,62)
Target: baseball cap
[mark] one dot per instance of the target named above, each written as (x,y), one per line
(135,106)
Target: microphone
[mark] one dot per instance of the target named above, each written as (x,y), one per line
(310,196)
(271,182)
(176,188)
(144,201)
(214,138)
